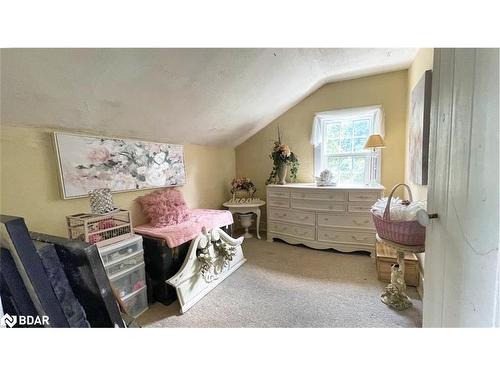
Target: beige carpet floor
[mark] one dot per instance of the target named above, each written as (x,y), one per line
(292,286)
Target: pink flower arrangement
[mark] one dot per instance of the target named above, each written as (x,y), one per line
(243,183)
(282,155)
(283,149)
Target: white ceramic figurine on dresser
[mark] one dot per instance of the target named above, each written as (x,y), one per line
(323,217)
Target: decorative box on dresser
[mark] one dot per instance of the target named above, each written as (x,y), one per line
(323,217)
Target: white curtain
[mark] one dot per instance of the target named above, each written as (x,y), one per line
(375,112)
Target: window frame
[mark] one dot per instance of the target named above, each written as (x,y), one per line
(374,158)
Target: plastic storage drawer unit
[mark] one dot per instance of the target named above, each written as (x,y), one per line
(121,250)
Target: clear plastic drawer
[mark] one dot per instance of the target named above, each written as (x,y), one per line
(136,303)
(120,250)
(130,281)
(124,264)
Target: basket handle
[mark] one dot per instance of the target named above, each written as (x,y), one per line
(387,211)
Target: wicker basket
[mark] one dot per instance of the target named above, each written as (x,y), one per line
(100,229)
(409,233)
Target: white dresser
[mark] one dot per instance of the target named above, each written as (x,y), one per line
(323,217)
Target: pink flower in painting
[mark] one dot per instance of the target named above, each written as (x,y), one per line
(154,147)
(99,155)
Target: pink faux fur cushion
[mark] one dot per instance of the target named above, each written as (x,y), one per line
(164,207)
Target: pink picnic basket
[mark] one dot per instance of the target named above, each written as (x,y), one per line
(409,233)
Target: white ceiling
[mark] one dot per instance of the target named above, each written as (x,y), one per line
(201,96)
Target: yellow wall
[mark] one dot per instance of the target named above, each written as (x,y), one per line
(30,186)
(388,90)
(423,61)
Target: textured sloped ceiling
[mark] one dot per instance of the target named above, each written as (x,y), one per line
(201,96)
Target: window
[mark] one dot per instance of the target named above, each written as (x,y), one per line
(339,138)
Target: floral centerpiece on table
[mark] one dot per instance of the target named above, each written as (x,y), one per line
(242,187)
(282,159)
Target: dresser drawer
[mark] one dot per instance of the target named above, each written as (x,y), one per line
(360,207)
(278,202)
(124,264)
(307,233)
(319,205)
(329,195)
(345,220)
(363,196)
(110,254)
(277,192)
(129,281)
(291,216)
(348,237)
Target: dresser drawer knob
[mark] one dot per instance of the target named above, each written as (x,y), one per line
(359,239)
(301,233)
(362,222)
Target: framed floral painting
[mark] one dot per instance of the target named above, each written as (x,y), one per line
(420,129)
(87,163)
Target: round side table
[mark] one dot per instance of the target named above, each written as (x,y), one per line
(395,293)
(245,212)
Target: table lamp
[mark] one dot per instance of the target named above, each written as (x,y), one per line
(374,141)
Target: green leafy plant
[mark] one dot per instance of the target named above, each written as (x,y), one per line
(281,155)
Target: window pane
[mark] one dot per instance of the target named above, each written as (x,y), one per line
(348,169)
(332,146)
(346,129)
(346,145)
(334,167)
(333,130)
(358,144)
(358,170)
(361,128)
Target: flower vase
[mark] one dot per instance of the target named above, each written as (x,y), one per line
(282,170)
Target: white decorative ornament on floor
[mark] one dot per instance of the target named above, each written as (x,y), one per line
(212,256)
